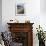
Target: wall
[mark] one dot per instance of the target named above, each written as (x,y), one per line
(0,15)
(43,14)
(43,6)
(32,13)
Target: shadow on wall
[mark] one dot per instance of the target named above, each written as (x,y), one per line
(43,6)
(0,15)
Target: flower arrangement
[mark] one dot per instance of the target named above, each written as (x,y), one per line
(40,34)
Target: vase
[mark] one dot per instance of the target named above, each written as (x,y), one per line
(41,43)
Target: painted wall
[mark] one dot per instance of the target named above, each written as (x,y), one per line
(32,13)
(0,15)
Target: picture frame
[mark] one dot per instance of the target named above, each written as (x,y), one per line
(20,9)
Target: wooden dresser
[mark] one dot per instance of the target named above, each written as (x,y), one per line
(22,33)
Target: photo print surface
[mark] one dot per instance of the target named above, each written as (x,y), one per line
(20,9)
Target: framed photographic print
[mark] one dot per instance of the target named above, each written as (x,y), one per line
(20,9)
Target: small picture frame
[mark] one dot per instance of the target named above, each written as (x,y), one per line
(20,10)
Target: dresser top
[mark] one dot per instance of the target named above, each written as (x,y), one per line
(19,23)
